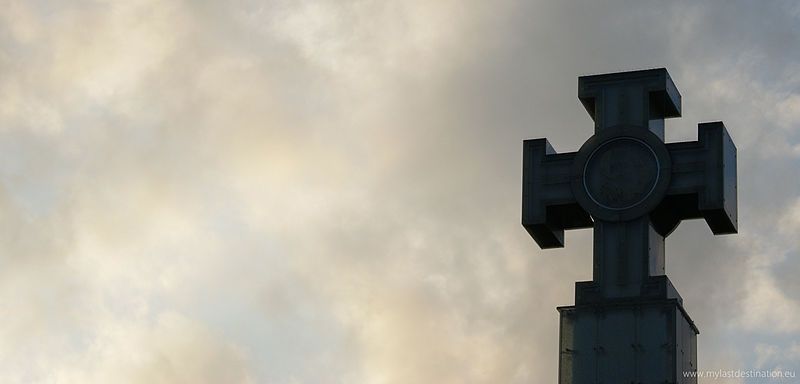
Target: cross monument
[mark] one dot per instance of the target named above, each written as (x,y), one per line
(628,324)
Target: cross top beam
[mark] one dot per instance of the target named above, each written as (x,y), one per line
(633,98)
(626,183)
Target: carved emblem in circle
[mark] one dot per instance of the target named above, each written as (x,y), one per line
(621,173)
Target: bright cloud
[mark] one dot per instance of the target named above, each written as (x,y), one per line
(328,192)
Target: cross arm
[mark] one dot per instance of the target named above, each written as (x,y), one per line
(634,97)
(548,204)
(703,182)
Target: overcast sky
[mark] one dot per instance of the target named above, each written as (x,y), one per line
(293,192)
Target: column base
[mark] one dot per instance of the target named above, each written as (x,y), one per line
(629,341)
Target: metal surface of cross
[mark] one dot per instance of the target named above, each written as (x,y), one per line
(629,185)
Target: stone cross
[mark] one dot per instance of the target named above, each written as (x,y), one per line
(626,183)
(628,324)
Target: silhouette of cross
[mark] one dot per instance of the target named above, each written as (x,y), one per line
(627,184)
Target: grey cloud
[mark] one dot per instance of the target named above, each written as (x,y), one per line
(305,192)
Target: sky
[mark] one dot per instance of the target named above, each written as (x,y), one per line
(292,192)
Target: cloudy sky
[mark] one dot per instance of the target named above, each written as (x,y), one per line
(329,191)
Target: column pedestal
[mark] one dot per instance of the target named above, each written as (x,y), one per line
(640,340)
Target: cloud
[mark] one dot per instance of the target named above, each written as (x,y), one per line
(314,192)
(172,350)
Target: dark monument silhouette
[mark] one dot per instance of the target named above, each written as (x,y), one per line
(628,324)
